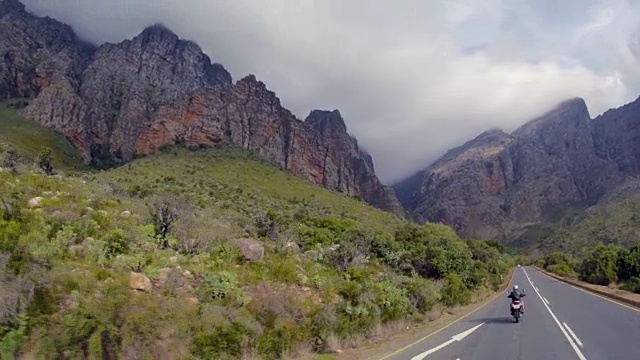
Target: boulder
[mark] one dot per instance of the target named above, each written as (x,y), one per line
(251,249)
(35,202)
(140,282)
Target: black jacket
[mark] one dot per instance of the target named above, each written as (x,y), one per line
(516,295)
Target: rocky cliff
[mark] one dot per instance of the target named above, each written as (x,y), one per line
(119,101)
(503,185)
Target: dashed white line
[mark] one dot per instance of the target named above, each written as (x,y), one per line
(573,334)
(545,300)
(564,332)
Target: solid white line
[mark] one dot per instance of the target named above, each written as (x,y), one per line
(564,332)
(573,334)
(545,300)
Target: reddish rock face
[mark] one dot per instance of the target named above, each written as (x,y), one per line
(124,100)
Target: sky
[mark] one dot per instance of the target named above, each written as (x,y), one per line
(412,78)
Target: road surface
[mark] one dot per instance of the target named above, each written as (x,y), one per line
(560,322)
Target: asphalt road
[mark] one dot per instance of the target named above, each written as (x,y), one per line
(560,322)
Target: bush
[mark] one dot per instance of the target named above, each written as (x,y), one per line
(393,302)
(632,285)
(629,263)
(220,342)
(601,266)
(563,270)
(454,291)
(423,294)
(116,243)
(353,251)
(45,158)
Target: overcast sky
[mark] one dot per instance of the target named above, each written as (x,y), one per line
(411,77)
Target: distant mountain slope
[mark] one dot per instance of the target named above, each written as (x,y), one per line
(120,101)
(515,186)
(27,138)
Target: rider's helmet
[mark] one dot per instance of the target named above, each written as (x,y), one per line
(515,287)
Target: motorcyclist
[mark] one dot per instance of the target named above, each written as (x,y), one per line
(516,295)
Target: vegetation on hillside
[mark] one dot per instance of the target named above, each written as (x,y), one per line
(211,254)
(27,138)
(607,265)
(601,245)
(614,220)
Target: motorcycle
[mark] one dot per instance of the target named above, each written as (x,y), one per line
(516,308)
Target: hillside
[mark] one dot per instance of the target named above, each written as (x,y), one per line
(27,137)
(211,253)
(537,182)
(116,102)
(614,220)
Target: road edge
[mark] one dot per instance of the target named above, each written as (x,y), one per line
(495,296)
(578,284)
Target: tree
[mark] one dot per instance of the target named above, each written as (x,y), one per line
(165,212)
(44,160)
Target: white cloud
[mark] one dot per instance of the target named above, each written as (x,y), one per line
(412,78)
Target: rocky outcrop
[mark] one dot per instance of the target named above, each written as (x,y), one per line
(617,137)
(37,53)
(120,101)
(499,184)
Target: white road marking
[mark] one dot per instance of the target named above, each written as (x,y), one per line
(564,332)
(458,338)
(573,334)
(545,300)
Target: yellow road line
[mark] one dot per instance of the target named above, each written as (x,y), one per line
(594,294)
(451,323)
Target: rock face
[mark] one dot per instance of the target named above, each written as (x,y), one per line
(502,185)
(120,101)
(617,137)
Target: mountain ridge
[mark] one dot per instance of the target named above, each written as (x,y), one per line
(118,101)
(506,185)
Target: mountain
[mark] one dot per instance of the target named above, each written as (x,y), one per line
(120,101)
(513,186)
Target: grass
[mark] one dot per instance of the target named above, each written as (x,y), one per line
(230,178)
(27,137)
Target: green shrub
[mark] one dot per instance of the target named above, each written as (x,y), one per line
(13,340)
(393,302)
(629,263)
(632,285)
(423,294)
(220,342)
(563,270)
(601,266)
(454,291)
(116,243)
